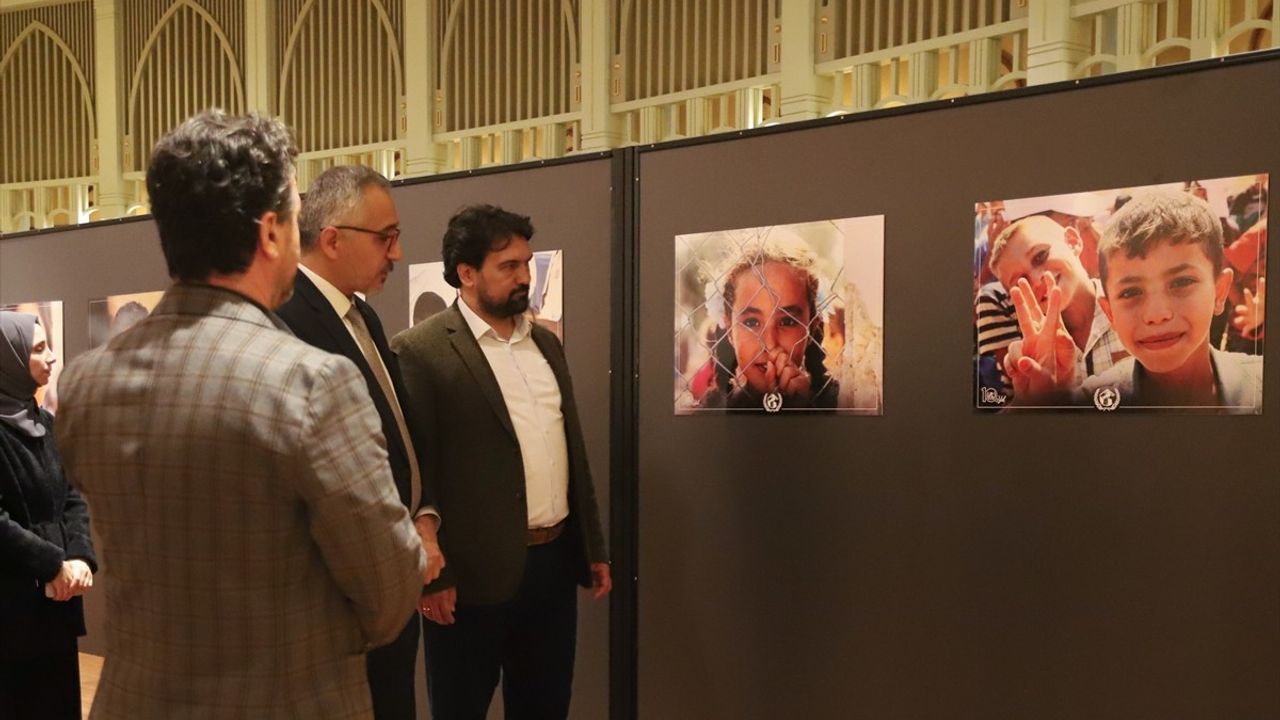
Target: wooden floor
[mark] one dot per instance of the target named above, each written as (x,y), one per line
(90,671)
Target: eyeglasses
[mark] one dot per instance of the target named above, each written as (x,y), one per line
(388,237)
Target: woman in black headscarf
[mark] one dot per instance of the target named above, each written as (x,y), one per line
(46,556)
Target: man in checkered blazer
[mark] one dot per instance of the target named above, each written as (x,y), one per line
(253,541)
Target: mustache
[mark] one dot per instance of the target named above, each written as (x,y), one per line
(519,290)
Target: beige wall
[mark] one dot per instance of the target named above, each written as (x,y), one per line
(415,87)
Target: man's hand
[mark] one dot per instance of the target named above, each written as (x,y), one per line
(1042,365)
(74,578)
(438,607)
(1251,314)
(426,527)
(601,580)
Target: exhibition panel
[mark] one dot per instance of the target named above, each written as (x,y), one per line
(104,272)
(940,560)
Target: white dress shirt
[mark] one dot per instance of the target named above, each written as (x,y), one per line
(341,305)
(532,395)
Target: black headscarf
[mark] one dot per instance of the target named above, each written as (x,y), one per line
(17,387)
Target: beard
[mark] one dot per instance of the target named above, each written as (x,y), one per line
(516,302)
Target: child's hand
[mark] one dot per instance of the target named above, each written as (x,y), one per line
(782,374)
(1042,365)
(1250,315)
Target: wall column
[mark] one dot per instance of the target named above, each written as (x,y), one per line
(260,70)
(423,155)
(113,196)
(1055,42)
(805,94)
(601,130)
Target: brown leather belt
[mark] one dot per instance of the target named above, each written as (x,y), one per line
(543,535)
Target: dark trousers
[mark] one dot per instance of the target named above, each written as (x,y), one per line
(528,641)
(391,675)
(43,688)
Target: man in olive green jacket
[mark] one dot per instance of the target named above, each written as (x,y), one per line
(503,451)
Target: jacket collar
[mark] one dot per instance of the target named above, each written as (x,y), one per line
(209,300)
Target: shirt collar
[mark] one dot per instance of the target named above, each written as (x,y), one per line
(479,328)
(340,302)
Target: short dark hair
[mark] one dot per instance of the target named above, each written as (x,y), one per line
(210,180)
(1161,216)
(332,196)
(474,232)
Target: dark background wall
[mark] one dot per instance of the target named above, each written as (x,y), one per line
(934,563)
(570,207)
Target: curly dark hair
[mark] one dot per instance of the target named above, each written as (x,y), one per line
(210,180)
(474,232)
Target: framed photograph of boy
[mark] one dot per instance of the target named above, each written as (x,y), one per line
(50,314)
(781,319)
(429,294)
(112,315)
(1149,298)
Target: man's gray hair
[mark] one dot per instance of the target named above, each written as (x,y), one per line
(333,196)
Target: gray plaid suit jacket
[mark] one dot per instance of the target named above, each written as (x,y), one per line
(253,543)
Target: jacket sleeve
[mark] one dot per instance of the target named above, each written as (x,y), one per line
(75,521)
(19,546)
(583,486)
(421,417)
(77,542)
(356,518)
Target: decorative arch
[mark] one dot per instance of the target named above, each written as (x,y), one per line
(1010,80)
(892,101)
(1098,62)
(25,220)
(1151,55)
(1248,27)
(949,91)
(66,121)
(205,73)
(350,113)
(511,75)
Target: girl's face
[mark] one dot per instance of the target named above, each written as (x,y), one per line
(769,322)
(42,357)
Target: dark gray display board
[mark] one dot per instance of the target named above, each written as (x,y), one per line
(934,562)
(570,208)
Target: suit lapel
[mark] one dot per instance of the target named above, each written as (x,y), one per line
(547,346)
(345,345)
(464,343)
(342,341)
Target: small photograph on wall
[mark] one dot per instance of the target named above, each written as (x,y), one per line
(1148,298)
(114,314)
(50,314)
(781,319)
(429,294)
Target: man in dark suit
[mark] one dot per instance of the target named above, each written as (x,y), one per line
(350,236)
(503,444)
